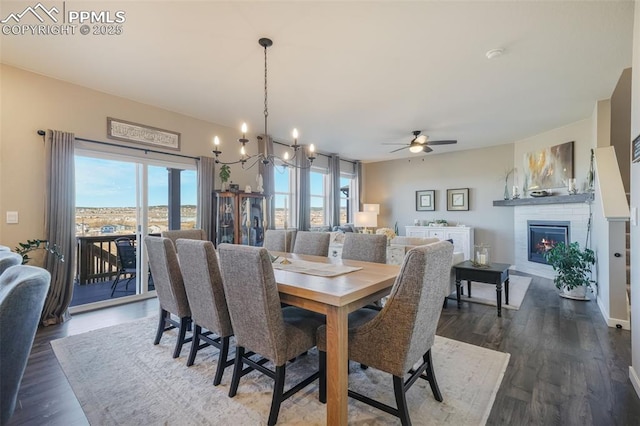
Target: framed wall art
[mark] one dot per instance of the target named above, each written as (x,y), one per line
(458,199)
(426,200)
(139,133)
(549,167)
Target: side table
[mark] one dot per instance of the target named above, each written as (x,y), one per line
(496,273)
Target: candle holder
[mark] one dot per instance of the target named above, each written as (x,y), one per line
(482,258)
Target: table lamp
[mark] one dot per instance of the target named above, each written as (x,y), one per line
(365,219)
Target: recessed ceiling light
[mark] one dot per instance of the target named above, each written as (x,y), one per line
(494,53)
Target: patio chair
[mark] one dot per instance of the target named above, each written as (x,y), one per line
(126,260)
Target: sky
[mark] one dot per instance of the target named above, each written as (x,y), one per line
(110,183)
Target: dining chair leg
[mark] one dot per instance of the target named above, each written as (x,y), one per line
(237,372)
(278,390)
(401,401)
(161,322)
(184,323)
(431,377)
(195,344)
(322,380)
(222,360)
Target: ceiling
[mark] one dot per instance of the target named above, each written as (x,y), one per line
(352,75)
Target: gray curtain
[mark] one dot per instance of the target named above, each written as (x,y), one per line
(334,204)
(59,223)
(304,190)
(355,198)
(206,180)
(265,144)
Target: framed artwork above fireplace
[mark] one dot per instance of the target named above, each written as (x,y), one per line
(548,168)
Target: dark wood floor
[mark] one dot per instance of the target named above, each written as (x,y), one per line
(567,367)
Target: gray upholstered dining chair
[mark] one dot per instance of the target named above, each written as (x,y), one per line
(260,325)
(394,339)
(8,259)
(279,240)
(188,234)
(23,290)
(4,248)
(312,243)
(169,285)
(365,247)
(203,285)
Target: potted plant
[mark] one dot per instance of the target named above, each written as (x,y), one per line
(225,173)
(573,268)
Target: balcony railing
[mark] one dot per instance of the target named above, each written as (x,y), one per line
(97,258)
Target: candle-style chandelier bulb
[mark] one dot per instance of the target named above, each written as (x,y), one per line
(264,156)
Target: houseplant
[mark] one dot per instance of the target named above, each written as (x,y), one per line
(225,173)
(32,245)
(573,268)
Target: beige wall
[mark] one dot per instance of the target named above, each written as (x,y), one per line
(30,102)
(393,184)
(635,204)
(621,124)
(580,132)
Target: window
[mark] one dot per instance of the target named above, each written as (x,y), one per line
(120,196)
(318,195)
(346,189)
(283,197)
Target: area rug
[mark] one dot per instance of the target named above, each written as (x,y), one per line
(485,294)
(121,378)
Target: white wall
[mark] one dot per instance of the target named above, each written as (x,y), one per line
(30,102)
(393,185)
(635,204)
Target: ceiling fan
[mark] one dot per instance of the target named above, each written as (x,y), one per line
(420,143)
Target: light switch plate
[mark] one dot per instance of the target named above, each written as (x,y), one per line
(634,216)
(12,217)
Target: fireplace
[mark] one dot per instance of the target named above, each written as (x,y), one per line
(543,236)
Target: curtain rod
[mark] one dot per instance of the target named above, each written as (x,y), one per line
(146,150)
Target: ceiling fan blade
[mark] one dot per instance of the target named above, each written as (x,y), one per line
(426,149)
(445,142)
(391,143)
(399,149)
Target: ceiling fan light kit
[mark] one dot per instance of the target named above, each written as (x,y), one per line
(420,143)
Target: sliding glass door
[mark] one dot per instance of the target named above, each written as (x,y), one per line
(119,200)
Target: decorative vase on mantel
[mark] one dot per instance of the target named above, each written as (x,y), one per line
(506,191)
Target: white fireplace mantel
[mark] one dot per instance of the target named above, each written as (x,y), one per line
(576,213)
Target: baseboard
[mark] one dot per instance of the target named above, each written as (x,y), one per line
(635,381)
(612,322)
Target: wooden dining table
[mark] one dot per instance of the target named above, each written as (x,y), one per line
(335,297)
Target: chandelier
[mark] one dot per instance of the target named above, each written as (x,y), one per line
(264,157)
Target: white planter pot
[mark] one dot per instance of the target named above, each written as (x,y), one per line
(577,293)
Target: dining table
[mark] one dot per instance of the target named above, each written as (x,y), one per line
(336,297)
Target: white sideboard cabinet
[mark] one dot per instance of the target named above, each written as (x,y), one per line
(462,236)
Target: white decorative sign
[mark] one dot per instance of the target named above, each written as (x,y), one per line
(138,133)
